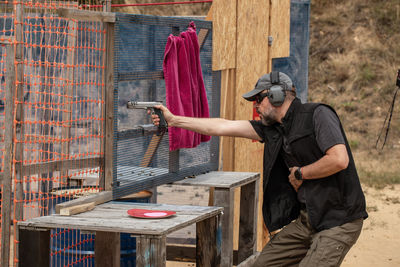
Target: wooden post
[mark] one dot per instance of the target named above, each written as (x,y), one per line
(208,243)
(107,249)
(225,198)
(248,221)
(34,248)
(107,6)
(107,142)
(108,97)
(19,119)
(8,157)
(151,251)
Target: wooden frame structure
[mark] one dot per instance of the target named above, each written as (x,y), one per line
(108,220)
(14,94)
(244,43)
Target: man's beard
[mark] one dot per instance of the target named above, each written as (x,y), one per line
(267,119)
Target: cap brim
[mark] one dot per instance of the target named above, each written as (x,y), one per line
(251,96)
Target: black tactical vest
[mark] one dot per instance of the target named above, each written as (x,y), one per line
(330,201)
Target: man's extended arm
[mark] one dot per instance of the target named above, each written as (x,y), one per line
(209,126)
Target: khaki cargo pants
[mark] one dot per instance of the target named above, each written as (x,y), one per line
(299,245)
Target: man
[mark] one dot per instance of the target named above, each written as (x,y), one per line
(312,192)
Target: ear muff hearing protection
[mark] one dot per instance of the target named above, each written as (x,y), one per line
(276,95)
(277,92)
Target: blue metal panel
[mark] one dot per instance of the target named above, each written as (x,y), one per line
(296,66)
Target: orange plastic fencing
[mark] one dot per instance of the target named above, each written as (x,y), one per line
(61,119)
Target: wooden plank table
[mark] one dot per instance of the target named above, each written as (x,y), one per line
(110,219)
(225,184)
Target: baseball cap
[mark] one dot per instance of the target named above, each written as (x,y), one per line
(264,83)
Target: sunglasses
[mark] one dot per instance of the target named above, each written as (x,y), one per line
(260,97)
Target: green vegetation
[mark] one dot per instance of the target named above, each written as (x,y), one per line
(386,14)
(354,144)
(378,179)
(354,57)
(367,73)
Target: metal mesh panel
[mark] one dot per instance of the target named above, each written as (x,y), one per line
(139,51)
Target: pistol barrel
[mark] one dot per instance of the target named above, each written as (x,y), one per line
(142,105)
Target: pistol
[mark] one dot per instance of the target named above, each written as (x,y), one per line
(150,105)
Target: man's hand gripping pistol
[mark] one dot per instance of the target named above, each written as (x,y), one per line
(162,127)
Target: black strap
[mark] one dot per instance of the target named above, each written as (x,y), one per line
(389,114)
(274,77)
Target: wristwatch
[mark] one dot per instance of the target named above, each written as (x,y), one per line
(298,175)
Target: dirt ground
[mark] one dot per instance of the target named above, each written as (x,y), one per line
(379,242)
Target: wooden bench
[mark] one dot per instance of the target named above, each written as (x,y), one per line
(224,184)
(110,219)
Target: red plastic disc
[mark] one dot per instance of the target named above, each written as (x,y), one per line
(150,214)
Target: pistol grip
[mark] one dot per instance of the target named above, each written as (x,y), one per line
(163,123)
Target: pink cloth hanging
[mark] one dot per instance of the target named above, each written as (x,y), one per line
(185,91)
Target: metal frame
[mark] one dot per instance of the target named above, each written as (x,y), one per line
(175,172)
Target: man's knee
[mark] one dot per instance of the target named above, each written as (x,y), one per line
(282,250)
(329,247)
(325,251)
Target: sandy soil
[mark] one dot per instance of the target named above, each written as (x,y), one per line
(379,242)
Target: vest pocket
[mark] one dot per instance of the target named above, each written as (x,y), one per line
(333,196)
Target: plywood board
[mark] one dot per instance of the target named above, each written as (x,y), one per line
(113,217)
(253,60)
(107,179)
(280,28)
(224,34)
(252,56)
(77,209)
(228,106)
(225,180)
